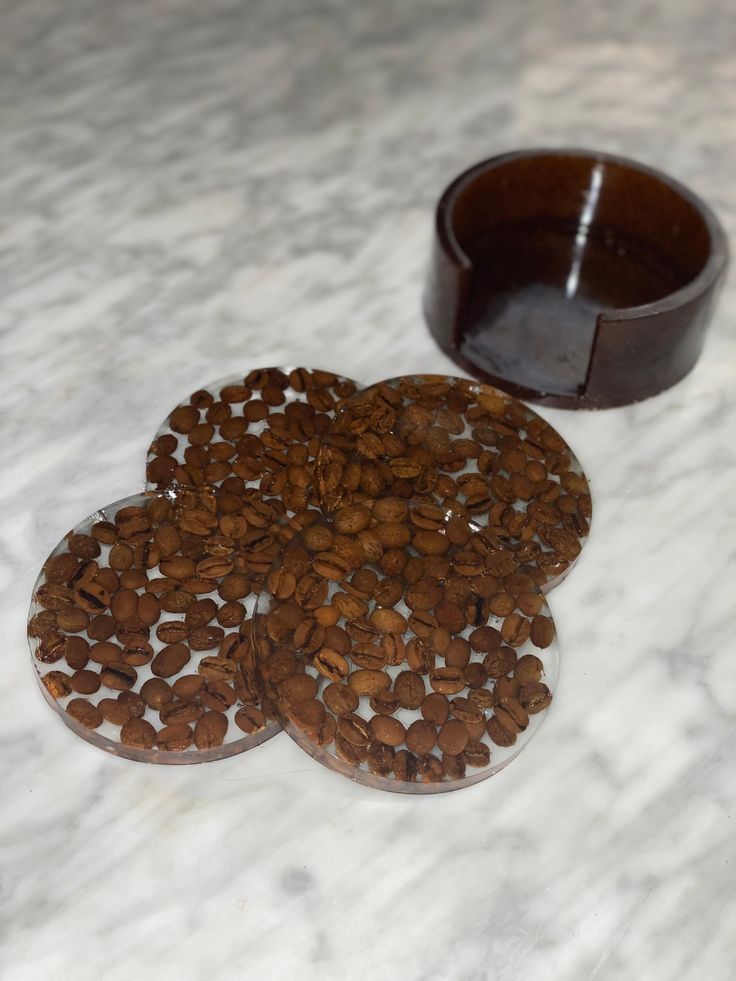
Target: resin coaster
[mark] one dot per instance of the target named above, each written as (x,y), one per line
(140,621)
(392,651)
(257,432)
(469,447)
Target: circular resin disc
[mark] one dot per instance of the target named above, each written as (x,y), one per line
(139,627)
(259,432)
(392,653)
(463,445)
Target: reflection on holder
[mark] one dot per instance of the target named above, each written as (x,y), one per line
(573,278)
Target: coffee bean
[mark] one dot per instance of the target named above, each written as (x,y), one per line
(409,686)
(176,738)
(499,662)
(387,730)
(369,682)
(156,693)
(435,708)
(453,737)
(542,631)
(172,632)
(331,664)
(448,681)
(535,697)
(218,696)
(421,736)
(210,730)
(85,682)
(380,759)
(499,734)
(485,639)
(528,669)
(57,684)
(354,729)
(84,713)
(477,754)
(119,676)
(405,766)
(511,714)
(170,660)
(340,699)
(181,712)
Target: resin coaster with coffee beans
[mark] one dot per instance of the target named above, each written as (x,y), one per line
(256,432)
(392,651)
(139,626)
(464,445)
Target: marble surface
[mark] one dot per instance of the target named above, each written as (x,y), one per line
(190,190)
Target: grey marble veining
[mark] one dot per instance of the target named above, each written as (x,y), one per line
(189,190)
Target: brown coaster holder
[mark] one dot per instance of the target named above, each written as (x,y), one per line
(573,278)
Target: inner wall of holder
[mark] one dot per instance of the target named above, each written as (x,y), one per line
(603,238)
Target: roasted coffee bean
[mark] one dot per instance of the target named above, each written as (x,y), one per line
(405,766)
(409,686)
(500,735)
(349,752)
(421,736)
(51,649)
(511,714)
(435,709)
(138,734)
(331,664)
(156,693)
(250,719)
(205,638)
(133,703)
(76,652)
(385,702)
(368,682)
(453,737)
(454,766)
(113,711)
(85,682)
(528,669)
(181,712)
(217,669)
(218,696)
(340,699)
(307,714)
(72,620)
(105,653)
(177,737)
(499,662)
(542,631)
(187,686)
(483,698)
(448,681)
(534,697)
(297,687)
(485,639)
(170,660)
(380,759)
(210,730)
(387,730)
(429,769)
(172,632)
(354,729)
(119,676)
(476,754)
(84,713)
(466,711)
(57,684)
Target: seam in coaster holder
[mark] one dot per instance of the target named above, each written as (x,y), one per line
(573,278)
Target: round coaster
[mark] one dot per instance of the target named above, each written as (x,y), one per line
(139,626)
(259,431)
(392,652)
(469,447)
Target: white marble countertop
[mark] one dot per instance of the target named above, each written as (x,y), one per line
(190,190)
